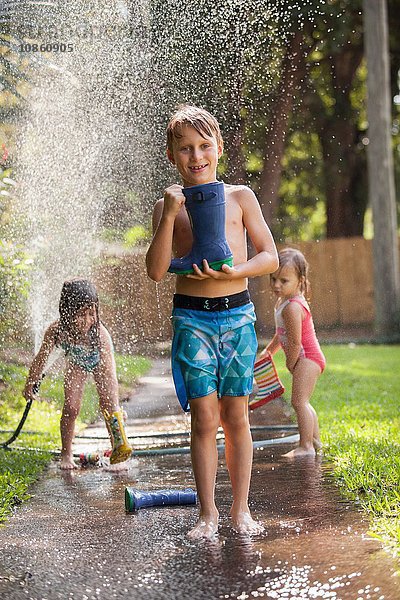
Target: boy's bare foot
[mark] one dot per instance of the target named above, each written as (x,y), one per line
(299,452)
(244,524)
(206,528)
(67,463)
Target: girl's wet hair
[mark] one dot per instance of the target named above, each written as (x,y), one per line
(77,294)
(200,119)
(294,258)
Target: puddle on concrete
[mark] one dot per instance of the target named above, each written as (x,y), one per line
(73,540)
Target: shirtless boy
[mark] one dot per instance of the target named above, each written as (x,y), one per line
(217,388)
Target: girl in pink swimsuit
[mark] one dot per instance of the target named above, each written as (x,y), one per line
(295,334)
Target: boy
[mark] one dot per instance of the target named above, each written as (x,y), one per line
(218,385)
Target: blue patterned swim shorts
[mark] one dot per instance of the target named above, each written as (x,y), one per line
(213,351)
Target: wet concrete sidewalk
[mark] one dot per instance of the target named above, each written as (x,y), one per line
(73,539)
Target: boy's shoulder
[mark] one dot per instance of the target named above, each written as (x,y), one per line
(236,192)
(237,188)
(239,193)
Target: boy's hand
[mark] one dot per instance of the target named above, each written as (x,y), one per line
(227,273)
(173,199)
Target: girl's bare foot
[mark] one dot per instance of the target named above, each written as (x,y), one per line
(206,528)
(299,452)
(244,524)
(67,463)
(317,444)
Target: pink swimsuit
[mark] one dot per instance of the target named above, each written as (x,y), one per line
(310,347)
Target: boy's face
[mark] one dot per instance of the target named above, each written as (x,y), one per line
(195,157)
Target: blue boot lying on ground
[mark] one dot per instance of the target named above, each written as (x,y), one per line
(205,205)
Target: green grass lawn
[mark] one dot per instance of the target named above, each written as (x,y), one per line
(18,469)
(357,399)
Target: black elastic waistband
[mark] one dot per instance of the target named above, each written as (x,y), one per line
(212,304)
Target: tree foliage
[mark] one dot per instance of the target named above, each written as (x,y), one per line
(13,262)
(285,79)
(287,83)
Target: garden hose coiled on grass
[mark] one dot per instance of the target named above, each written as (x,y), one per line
(54,355)
(16,433)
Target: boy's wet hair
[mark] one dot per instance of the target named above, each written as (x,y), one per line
(198,118)
(296,259)
(77,293)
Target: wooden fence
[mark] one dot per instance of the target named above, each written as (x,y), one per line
(137,310)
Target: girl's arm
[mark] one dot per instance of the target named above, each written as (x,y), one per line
(39,362)
(292,316)
(272,347)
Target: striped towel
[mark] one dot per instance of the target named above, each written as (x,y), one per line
(269,384)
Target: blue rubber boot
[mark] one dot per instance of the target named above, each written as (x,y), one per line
(135,499)
(205,205)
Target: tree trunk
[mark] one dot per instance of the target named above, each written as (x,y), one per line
(380,170)
(276,135)
(345,206)
(339,141)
